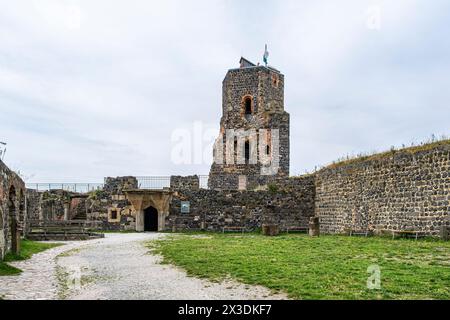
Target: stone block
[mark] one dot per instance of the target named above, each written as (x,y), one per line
(314,227)
(270,229)
(445,233)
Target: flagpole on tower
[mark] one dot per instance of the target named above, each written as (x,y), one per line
(266,55)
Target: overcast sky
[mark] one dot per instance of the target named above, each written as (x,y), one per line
(104,88)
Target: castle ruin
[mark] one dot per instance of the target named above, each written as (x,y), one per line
(249,185)
(253,144)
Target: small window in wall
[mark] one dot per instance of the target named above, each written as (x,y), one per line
(248,105)
(267,149)
(275,80)
(247,151)
(113,214)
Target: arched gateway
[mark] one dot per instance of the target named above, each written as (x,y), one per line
(151,208)
(150,219)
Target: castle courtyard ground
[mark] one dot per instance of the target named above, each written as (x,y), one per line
(234,266)
(119,266)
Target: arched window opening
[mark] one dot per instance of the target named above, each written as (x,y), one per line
(247,151)
(248,105)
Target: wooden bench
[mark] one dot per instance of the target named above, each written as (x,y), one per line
(234,229)
(407,233)
(364,233)
(296,229)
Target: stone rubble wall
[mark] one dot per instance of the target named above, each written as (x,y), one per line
(33,204)
(402,190)
(184,182)
(93,206)
(116,185)
(288,203)
(8,179)
(265,87)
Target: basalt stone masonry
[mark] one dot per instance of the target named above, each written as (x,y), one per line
(13,213)
(252,106)
(403,190)
(288,203)
(406,190)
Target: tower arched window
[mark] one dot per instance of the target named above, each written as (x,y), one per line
(248,105)
(247,151)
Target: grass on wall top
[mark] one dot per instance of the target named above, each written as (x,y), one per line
(430,145)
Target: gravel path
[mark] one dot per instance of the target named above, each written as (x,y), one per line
(38,280)
(116,267)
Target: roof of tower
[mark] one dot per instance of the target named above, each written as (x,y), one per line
(244,63)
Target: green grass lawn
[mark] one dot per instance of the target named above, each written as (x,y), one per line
(328,267)
(27,249)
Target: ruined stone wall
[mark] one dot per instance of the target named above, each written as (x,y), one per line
(184,182)
(13,213)
(287,203)
(49,205)
(110,206)
(116,185)
(403,190)
(33,204)
(52,204)
(265,88)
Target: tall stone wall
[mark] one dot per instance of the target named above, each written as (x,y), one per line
(288,203)
(13,213)
(403,190)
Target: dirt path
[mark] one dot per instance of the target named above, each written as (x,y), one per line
(116,267)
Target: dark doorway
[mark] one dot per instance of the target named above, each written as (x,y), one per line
(150,219)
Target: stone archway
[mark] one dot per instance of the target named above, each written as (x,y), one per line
(151,219)
(143,199)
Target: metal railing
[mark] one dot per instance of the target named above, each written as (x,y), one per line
(161,182)
(144,182)
(153,182)
(73,187)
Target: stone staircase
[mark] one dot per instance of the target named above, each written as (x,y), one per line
(41,230)
(80,216)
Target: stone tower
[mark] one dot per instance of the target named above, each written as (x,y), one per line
(253,145)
